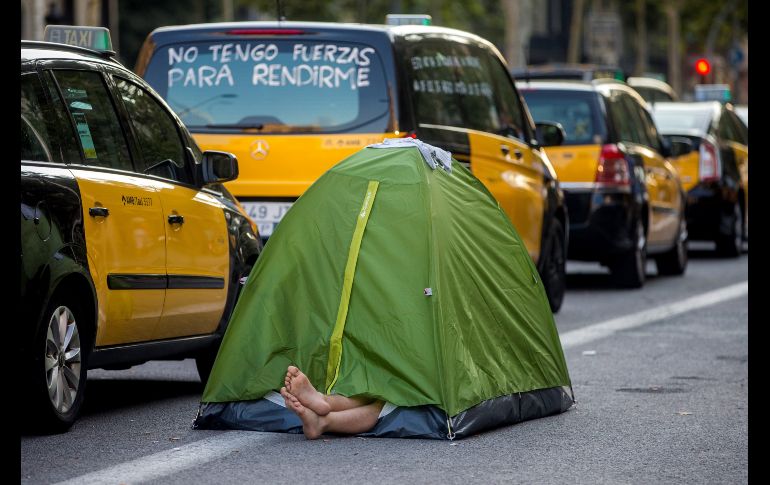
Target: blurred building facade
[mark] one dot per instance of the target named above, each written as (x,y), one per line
(634,35)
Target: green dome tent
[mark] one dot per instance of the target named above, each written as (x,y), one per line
(395,276)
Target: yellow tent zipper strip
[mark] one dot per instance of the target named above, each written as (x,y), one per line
(335,344)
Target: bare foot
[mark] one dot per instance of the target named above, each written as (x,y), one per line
(301,388)
(312,424)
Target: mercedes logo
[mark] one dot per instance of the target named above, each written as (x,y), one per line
(259,150)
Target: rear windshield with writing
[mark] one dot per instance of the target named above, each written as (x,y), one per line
(281,86)
(578,113)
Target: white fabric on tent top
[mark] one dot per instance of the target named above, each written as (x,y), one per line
(433,156)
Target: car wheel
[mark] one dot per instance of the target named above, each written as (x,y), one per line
(731,244)
(204,362)
(628,269)
(674,261)
(554,272)
(59,367)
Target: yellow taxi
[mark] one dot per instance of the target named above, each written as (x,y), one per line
(716,174)
(131,247)
(624,196)
(293,99)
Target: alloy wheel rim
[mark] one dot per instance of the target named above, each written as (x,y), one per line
(641,242)
(62,359)
(681,244)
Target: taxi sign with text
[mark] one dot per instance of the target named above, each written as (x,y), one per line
(97,38)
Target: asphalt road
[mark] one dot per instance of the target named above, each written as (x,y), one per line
(661,399)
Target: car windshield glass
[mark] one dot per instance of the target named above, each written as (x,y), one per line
(278,86)
(652,95)
(676,120)
(576,111)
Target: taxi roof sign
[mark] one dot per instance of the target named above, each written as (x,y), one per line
(96,38)
(407,19)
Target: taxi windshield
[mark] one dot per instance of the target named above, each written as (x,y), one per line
(576,111)
(276,86)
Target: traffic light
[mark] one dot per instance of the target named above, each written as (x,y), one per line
(702,66)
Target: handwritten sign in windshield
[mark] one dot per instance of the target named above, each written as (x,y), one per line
(328,66)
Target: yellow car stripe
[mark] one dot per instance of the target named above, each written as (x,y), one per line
(335,344)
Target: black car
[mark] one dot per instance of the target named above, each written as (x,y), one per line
(131,247)
(622,190)
(716,175)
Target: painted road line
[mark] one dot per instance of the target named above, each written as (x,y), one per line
(175,460)
(580,336)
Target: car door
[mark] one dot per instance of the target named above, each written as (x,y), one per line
(197,246)
(671,203)
(122,214)
(660,177)
(739,142)
(501,156)
(464,101)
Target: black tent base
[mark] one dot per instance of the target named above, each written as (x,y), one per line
(402,422)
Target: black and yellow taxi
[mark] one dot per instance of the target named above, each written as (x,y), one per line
(131,247)
(715,174)
(291,99)
(623,193)
(653,90)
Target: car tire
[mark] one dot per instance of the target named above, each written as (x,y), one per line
(553,270)
(674,261)
(204,362)
(730,245)
(628,269)
(58,368)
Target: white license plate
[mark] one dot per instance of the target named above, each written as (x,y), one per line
(267,215)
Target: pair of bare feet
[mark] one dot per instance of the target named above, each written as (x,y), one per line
(306,402)
(321,412)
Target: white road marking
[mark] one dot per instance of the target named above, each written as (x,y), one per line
(174,460)
(580,336)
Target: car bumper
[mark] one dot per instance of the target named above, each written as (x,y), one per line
(600,224)
(706,204)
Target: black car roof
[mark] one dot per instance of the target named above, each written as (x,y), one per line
(34,50)
(176,33)
(567,85)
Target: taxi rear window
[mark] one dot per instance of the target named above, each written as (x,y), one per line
(277,86)
(577,112)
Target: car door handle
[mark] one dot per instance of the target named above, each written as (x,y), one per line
(505,150)
(517,154)
(98,212)
(175,219)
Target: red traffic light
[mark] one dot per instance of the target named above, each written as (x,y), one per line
(702,67)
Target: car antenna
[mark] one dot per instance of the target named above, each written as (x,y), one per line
(279,8)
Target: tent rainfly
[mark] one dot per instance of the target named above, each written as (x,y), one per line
(395,276)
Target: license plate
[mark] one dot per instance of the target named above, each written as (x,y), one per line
(267,215)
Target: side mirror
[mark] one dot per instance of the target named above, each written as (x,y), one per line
(549,133)
(218,167)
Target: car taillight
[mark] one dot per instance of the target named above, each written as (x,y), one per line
(708,166)
(612,168)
